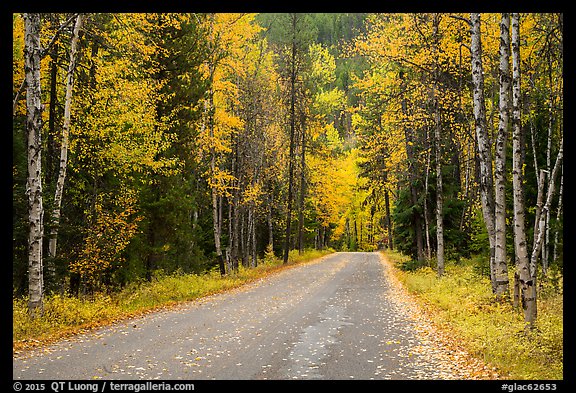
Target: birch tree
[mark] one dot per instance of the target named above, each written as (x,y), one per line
(500,266)
(484,152)
(540,227)
(437,136)
(34,108)
(523,272)
(55,217)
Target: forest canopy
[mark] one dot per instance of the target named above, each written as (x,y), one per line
(189,142)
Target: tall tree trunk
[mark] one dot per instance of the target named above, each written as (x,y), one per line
(270,223)
(525,276)
(55,217)
(558,214)
(208,121)
(501,268)
(388,219)
(439,196)
(216,224)
(540,229)
(410,155)
(51,145)
(426,215)
(292,142)
(50,166)
(34,108)
(302,192)
(253,259)
(438,139)
(485,156)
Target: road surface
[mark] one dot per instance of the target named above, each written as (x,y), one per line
(334,318)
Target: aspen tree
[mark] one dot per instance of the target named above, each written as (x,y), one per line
(484,151)
(34,108)
(437,136)
(501,269)
(55,218)
(524,274)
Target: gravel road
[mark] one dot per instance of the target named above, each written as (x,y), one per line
(334,318)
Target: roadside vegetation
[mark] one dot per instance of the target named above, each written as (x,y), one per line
(462,302)
(65,315)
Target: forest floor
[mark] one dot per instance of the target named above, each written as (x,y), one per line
(451,349)
(463,310)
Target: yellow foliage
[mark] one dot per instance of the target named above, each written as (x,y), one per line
(113,224)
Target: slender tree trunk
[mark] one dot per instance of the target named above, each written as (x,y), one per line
(426,215)
(51,145)
(355,234)
(410,155)
(34,108)
(302,192)
(209,122)
(270,223)
(558,214)
(235,249)
(388,220)
(50,167)
(552,101)
(55,218)
(541,224)
(438,139)
(485,157)
(500,259)
(439,197)
(292,132)
(253,260)
(216,224)
(526,282)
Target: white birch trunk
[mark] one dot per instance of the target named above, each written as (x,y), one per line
(438,137)
(524,274)
(439,198)
(426,224)
(540,229)
(55,218)
(558,213)
(501,268)
(34,108)
(486,183)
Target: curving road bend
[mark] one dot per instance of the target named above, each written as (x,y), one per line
(333,318)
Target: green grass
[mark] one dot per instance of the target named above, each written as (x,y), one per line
(462,302)
(65,315)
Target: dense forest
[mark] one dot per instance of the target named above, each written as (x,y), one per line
(187,142)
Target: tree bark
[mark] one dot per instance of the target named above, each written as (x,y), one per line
(302,192)
(438,139)
(500,259)
(410,155)
(55,218)
(292,142)
(540,229)
(485,156)
(270,223)
(426,215)
(558,214)
(525,275)
(439,197)
(388,220)
(34,108)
